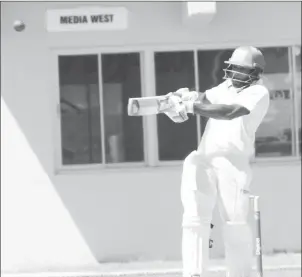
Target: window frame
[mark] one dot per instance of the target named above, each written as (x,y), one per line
(196,84)
(58,163)
(147,70)
(293,119)
(295,100)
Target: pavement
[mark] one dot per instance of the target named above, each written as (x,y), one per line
(281,265)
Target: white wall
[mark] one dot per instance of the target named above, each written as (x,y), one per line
(144,205)
(135,213)
(37,232)
(160,23)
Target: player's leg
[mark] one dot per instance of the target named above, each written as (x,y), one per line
(233,198)
(198,191)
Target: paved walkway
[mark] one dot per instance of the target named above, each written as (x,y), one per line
(283,265)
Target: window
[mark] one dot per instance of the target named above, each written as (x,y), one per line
(274,136)
(123,134)
(95,128)
(80,110)
(174,70)
(95,88)
(210,72)
(297,76)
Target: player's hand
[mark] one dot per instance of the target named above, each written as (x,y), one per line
(174,108)
(186,95)
(164,105)
(177,117)
(170,103)
(181,92)
(177,111)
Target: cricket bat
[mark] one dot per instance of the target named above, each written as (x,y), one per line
(147,105)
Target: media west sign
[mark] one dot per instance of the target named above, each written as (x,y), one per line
(87,19)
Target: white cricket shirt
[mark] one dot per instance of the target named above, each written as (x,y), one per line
(236,136)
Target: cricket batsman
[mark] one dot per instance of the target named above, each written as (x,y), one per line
(219,170)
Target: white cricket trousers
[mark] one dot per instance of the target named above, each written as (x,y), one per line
(225,180)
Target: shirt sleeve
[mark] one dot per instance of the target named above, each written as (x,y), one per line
(252,97)
(213,94)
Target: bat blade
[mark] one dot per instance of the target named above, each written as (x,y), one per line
(145,105)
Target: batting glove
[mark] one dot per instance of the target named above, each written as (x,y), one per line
(186,95)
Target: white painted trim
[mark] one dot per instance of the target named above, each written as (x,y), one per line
(292,100)
(148,89)
(181,46)
(267,161)
(59,167)
(196,77)
(143,81)
(151,121)
(296,103)
(101,99)
(257,161)
(56,107)
(95,168)
(160,166)
(174,46)
(170,163)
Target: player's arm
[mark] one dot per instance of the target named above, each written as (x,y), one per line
(204,107)
(218,111)
(245,103)
(202,98)
(201,105)
(187,95)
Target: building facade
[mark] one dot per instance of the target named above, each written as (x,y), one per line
(109,182)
